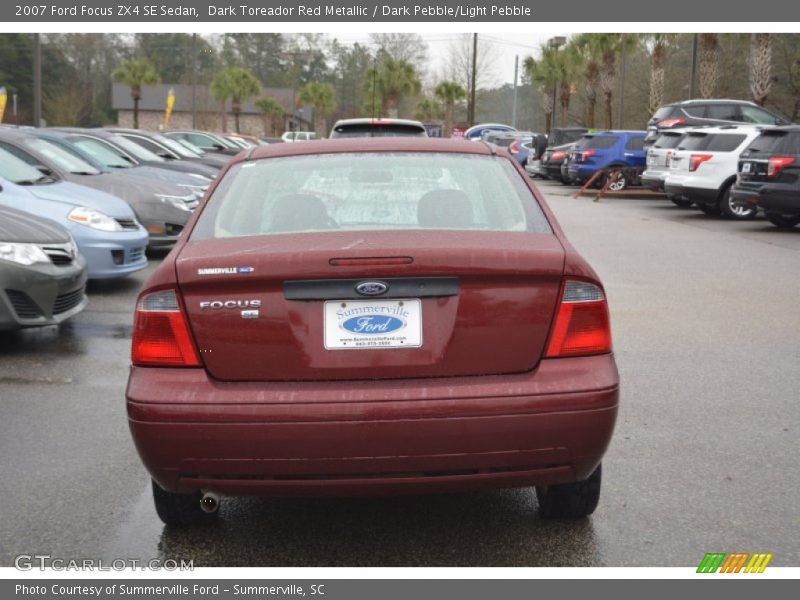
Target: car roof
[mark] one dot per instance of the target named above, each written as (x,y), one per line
(711,101)
(367,145)
(378,120)
(728,129)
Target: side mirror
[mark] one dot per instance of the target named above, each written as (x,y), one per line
(219,147)
(166,155)
(44,170)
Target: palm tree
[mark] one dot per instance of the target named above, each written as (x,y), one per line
(659,46)
(589,54)
(568,65)
(610,45)
(391,81)
(272,110)
(449,92)
(238,84)
(545,74)
(760,66)
(428,110)
(708,64)
(135,73)
(322,96)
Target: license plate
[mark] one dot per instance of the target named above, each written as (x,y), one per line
(746,167)
(372,324)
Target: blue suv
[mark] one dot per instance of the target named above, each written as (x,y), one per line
(595,151)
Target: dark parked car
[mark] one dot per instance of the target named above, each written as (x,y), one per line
(597,151)
(549,166)
(338,323)
(769,175)
(708,113)
(564,135)
(42,276)
(347,128)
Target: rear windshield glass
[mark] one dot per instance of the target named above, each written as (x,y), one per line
(662,113)
(597,142)
(559,137)
(366,130)
(694,142)
(376,191)
(668,141)
(776,142)
(725,142)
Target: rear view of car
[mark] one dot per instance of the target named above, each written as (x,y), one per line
(658,157)
(703,170)
(596,151)
(347,128)
(371,317)
(42,275)
(769,176)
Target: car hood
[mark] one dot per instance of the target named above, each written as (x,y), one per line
(19,226)
(167,176)
(81,195)
(130,188)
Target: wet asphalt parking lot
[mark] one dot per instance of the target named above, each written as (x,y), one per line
(706,321)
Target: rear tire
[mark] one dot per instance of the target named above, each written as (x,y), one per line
(570,500)
(681,202)
(783,221)
(179,510)
(730,210)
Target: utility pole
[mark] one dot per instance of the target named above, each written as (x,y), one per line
(194,81)
(471,111)
(514,105)
(694,67)
(37,80)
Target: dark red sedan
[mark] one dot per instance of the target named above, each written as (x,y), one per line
(372,316)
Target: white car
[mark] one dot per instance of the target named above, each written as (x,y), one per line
(298,136)
(703,169)
(658,155)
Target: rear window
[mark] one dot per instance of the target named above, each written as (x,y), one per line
(367,130)
(367,192)
(725,142)
(663,113)
(559,137)
(597,142)
(776,142)
(668,141)
(694,142)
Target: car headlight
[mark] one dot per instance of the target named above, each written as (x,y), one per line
(186,203)
(93,218)
(73,246)
(22,254)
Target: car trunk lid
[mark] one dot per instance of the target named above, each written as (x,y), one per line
(265,308)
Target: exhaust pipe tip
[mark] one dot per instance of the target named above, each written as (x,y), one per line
(209,503)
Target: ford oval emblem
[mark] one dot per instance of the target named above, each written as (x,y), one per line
(371,288)
(373,324)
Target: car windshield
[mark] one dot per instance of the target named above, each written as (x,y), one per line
(135,149)
(17,170)
(180,150)
(368,192)
(61,158)
(377,130)
(102,152)
(776,142)
(662,113)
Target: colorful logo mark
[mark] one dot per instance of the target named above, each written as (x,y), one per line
(736,562)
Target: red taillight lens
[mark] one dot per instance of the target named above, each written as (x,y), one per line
(587,154)
(581,326)
(557,155)
(667,123)
(514,147)
(776,163)
(160,333)
(695,160)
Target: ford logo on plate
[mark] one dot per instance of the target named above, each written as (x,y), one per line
(373,324)
(371,288)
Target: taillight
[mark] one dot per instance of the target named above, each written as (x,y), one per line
(776,163)
(695,160)
(514,147)
(581,325)
(161,334)
(587,154)
(667,123)
(557,155)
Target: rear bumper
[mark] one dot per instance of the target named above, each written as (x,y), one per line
(552,425)
(783,199)
(654,180)
(701,195)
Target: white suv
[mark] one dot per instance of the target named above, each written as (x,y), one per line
(658,155)
(703,169)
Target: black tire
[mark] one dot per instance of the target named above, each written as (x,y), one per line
(730,210)
(179,510)
(783,221)
(712,210)
(570,500)
(683,203)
